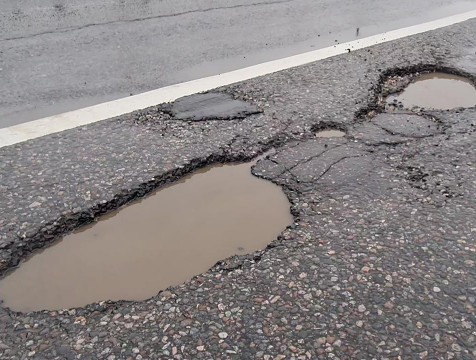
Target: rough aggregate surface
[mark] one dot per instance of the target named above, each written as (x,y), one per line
(379,264)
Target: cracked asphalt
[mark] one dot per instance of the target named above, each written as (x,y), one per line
(379,263)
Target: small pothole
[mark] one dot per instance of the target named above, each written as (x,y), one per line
(435,91)
(162,240)
(330,133)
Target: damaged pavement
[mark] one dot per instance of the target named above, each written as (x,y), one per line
(380,260)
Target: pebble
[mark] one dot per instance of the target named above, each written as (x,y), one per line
(365,269)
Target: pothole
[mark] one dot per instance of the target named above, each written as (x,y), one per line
(162,240)
(437,91)
(330,133)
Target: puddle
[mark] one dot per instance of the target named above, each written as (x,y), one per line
(162,240)
(330,133)
(437,91)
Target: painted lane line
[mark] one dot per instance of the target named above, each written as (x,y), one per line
(53,124)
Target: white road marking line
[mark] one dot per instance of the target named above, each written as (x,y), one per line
(53,124)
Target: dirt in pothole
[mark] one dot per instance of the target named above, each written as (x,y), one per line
(162,240)
(437,91)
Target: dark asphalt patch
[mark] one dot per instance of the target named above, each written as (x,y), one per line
(210,106)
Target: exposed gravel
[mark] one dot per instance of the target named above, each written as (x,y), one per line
(380,263)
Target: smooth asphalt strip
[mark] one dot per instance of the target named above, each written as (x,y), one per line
(379,263)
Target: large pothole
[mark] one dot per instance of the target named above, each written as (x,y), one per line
(436,91)
(159,241)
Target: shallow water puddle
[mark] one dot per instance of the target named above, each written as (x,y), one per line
(437,91)
(162,240)
(330,133)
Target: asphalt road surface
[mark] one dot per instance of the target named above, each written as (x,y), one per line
(379,263)
(62,55)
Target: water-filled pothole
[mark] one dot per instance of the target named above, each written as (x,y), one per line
(162,240)
(330,133)
(438,91)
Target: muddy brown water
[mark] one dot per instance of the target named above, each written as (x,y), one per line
(162,240)
(330,133)
(437,91)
